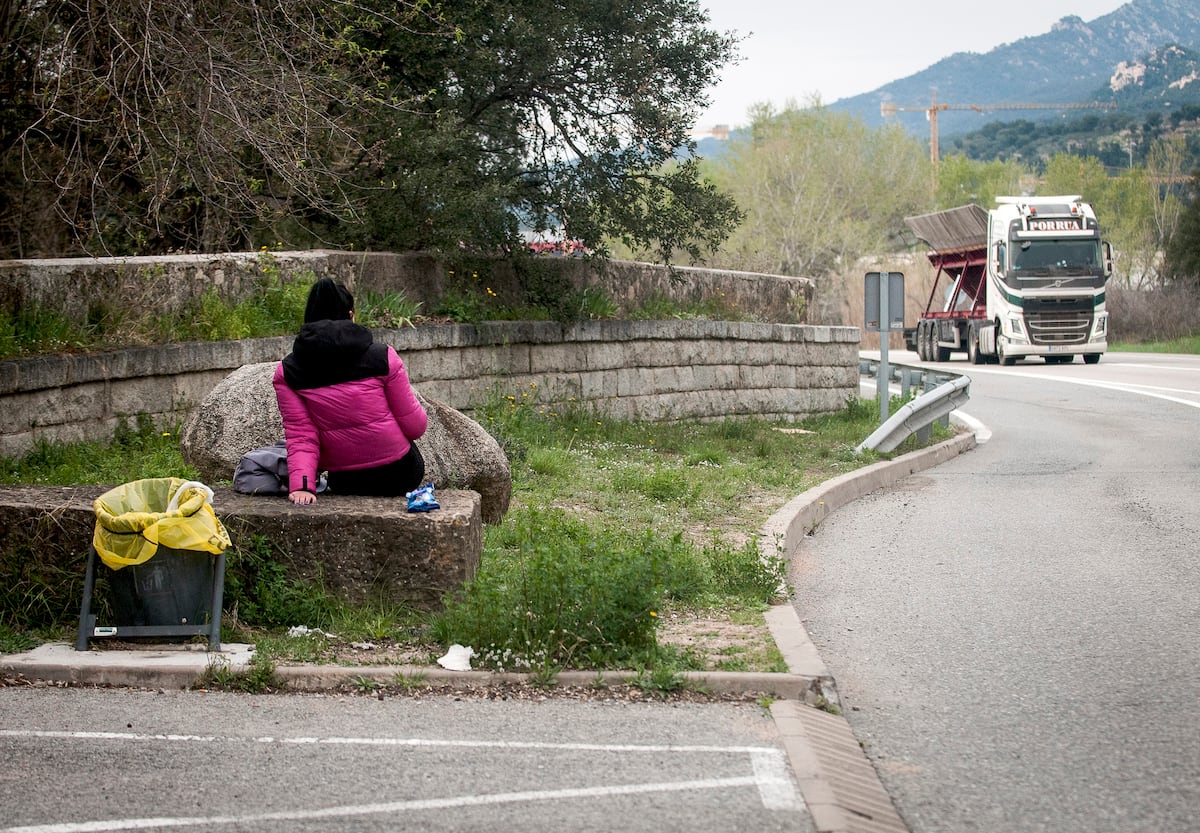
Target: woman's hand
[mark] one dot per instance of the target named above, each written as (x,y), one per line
(301,497)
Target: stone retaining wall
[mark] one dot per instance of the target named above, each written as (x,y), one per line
(626,369)
(83,289)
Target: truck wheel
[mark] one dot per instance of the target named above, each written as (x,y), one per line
(973,346)
(922,338)
(1092,358)
(1006,360)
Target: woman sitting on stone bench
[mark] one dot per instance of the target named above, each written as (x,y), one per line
(347,406)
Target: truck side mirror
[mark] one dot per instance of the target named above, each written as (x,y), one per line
(998,260)
(1108,260)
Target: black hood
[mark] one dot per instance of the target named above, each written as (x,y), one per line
(327,352)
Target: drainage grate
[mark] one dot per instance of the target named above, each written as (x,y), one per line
(838,783)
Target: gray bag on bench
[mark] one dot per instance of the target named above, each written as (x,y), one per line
(262,471)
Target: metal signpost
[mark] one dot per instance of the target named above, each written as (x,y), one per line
(884,295)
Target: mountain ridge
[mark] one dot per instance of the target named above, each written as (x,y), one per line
(1074,62)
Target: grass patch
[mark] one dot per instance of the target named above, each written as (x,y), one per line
(136,451)
(614,527)
(274,307)
(1189,345)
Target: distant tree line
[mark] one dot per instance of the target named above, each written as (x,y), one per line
(821,190)
(384,124)
(1118,139)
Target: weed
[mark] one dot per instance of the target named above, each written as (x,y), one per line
(388,309)
(592,304)
(662,308)
(661,680)
(365,685)
(824,705)
(13,641)
(409,682)
(545,676)
(258,584)
(259,676)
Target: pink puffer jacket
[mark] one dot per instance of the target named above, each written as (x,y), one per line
(355,424)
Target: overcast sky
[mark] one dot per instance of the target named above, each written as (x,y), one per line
(794,49)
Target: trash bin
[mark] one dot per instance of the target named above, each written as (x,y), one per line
(172,588)
(164,549)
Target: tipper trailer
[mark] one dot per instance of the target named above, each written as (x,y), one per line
(1024,279)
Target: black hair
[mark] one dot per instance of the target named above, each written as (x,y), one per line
(328,300)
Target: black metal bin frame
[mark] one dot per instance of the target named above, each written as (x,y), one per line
(89,629)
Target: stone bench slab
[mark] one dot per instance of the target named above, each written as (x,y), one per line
(361,549)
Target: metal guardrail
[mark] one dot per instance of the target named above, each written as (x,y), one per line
(943,393)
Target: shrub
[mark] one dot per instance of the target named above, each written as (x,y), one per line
(1153,315)
(568,592)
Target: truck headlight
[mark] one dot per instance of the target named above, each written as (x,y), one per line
(1100,328)
(1016,329)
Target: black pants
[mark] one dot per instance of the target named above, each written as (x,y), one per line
(388,480)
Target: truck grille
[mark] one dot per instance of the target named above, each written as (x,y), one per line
(1064,327)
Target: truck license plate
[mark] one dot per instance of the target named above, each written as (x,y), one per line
(1057,348)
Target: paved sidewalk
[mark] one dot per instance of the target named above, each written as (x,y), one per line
(838,783)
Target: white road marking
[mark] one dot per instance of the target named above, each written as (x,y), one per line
(474,744)
(1125,387)
(386,807)
(775,786)
(771,777)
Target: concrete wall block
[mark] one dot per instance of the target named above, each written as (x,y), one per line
(825,377)
(556,358)
(717,351)
(601,355)
(383,554)
(546,389)
(631,382)
(653,380)
(22,411)
(644,352)
(653,407)
(79,403)
(754,377)
(717,377)
(506,360)
(187,390)
(129,397)
(441,389)
(597,385)
(41,373)
(425,366)
(462,394)
(796,353)
(785,376)
(806,377)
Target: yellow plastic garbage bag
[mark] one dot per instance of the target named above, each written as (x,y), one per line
(133,520)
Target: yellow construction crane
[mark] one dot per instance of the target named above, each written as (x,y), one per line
(931,110)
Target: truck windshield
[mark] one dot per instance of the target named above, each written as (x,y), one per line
(1055,259)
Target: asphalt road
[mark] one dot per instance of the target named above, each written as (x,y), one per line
(1015,634)
(75,760)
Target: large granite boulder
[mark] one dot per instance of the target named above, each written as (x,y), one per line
(241,413)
